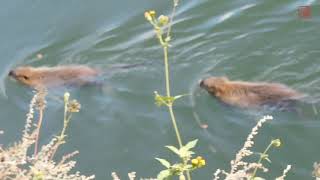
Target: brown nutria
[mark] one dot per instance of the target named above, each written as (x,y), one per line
(46,77)
(249,94)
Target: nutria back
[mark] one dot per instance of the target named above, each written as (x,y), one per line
(249,94)
(35,77)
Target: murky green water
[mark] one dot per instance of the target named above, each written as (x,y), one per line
(119,128)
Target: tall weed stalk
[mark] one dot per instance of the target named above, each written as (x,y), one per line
(163,26)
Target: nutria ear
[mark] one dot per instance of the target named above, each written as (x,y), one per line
(219,90)
(222,87)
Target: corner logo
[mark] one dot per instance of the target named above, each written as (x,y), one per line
(304,12)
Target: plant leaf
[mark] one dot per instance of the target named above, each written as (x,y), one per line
(174,149)
(267,159)
(191,144)
(159,100)
(180,96)
(191,152)
(258,178)
(187,167)
(163,175)
(164,162)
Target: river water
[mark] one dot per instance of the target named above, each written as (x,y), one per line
(119,127)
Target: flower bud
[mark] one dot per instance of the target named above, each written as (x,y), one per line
(163,20)
(276,142)
(152,13)
(66,97)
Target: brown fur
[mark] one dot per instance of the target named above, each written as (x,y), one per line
(55,76)
(248,94)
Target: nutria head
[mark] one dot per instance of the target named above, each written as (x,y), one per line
(26,75)
(214,85)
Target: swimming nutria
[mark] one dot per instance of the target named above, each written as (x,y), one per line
(249,94)
(78,75)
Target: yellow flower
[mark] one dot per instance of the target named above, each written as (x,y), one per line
(147,16)
(198,162)
(152,13)
(276,142)
(194,162)
(202,162)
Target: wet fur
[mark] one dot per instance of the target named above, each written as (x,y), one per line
(250,94)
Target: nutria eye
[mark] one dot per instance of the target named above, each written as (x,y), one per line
(25,77)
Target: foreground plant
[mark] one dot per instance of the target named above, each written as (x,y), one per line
(316,171)
(241,169)
(187,165)
(162,26)
(16,163)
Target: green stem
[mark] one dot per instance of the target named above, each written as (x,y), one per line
(66,120)
(259,162)
(166,67)
(167,76)
(62,134)
(38,131)
(175,4)
(188,175)
(65,125)
(174,122)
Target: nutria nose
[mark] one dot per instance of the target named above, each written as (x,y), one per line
(12,73)
(201,83)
